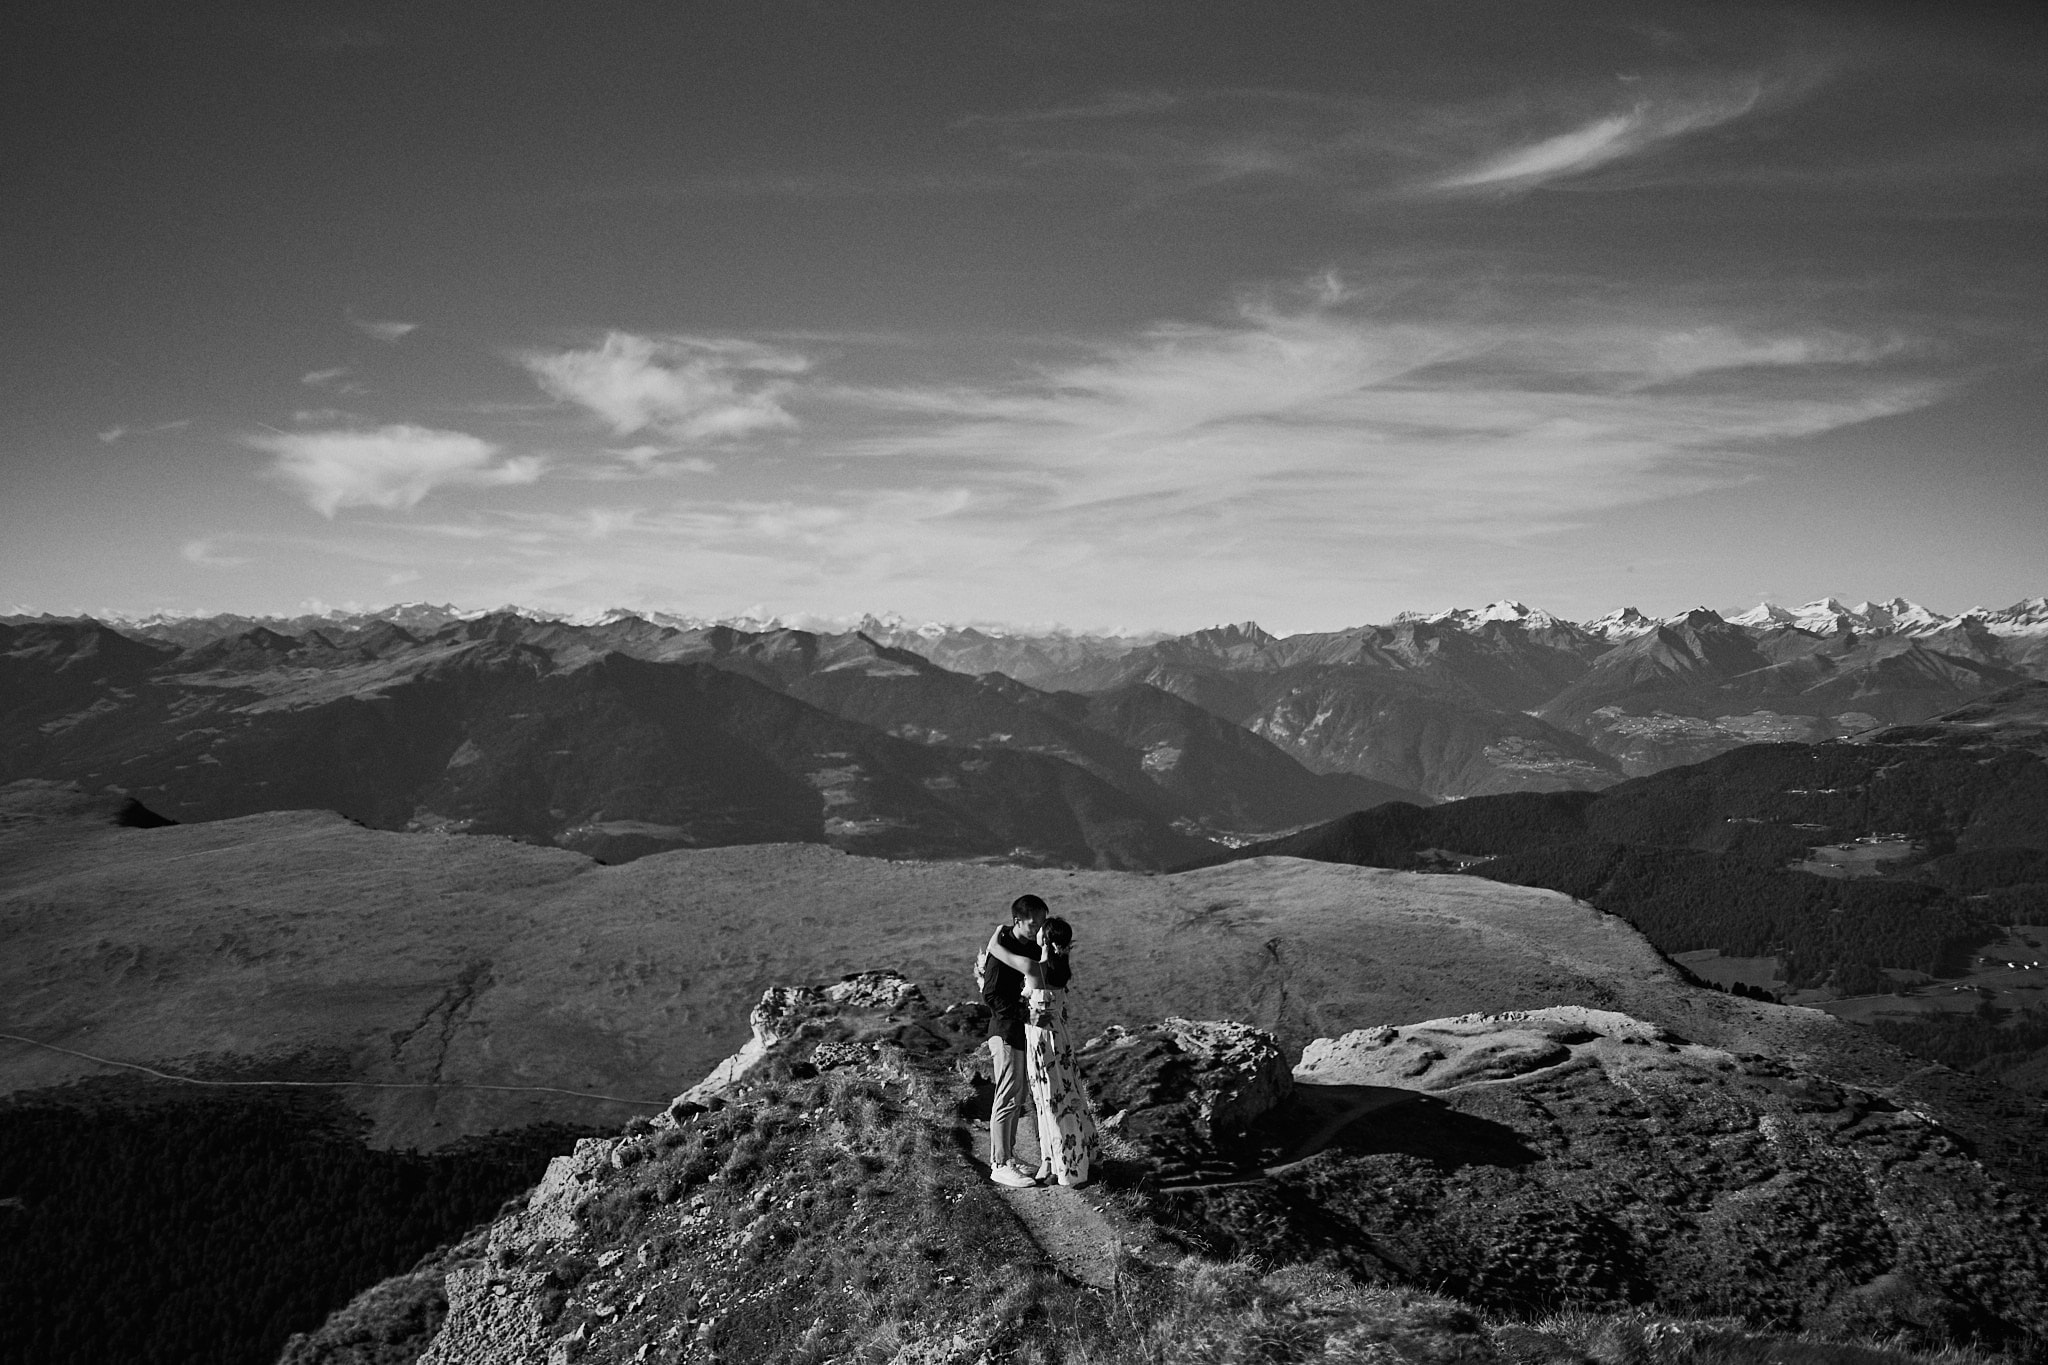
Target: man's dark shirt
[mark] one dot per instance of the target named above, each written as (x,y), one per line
(1004,993)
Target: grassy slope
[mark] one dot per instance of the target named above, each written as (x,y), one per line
(300,937)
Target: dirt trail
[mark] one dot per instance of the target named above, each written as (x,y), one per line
(1075,1235)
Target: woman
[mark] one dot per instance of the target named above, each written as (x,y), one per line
(1067,1144)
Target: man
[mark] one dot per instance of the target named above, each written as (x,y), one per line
(1003,991)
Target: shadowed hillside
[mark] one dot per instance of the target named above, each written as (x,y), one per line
(1718,857)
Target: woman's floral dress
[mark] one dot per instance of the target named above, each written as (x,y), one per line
(1066,1126)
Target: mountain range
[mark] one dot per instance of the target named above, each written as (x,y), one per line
(619,734)
(618,741)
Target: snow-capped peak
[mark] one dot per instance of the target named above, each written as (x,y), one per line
(897,624)
(1899,615)
(2028,616)
(1825,615)
(1625,624)
(1763,615)
(1471,618)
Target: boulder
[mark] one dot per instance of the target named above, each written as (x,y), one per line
(1185,1083)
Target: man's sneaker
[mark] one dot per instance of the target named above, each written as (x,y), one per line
(1011,1176)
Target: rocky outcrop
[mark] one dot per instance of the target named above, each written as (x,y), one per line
(781,1012)
(1444,1054)
(1189,1083)
(817,1199)
(1569,1156)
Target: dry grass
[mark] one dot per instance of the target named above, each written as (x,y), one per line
(297,931)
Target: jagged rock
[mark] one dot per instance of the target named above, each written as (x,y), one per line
(552,1205)
(782,1010)
(1185,1083)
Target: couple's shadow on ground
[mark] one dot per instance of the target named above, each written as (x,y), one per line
(1367,1120)
(1354,1120)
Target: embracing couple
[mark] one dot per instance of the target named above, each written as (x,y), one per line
(1024,974)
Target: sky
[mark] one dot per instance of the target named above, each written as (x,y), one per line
(1099,315)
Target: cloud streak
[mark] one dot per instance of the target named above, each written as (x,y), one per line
(392,467)
(385,330)
(1594,144)
(1368,151)
(693,389)
(206,551)
(114,435)
(1305,422)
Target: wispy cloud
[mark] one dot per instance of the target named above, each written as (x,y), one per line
(392,467)
(651,461)
(1365,150)
(1116,104)
(687,388)
(820,184)
(1595,143)
(381,329)
(116,434)
(334,380)
(207,552)
(1308,418)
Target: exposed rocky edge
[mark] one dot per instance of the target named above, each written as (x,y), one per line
(820,1202)
(1582,1158)
(1185,1088)
(1444,1054)
(782,1011)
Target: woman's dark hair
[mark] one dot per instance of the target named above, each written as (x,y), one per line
(1058,970)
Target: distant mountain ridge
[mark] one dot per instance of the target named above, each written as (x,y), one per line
(1454,703)
(1895,615)
(631,737)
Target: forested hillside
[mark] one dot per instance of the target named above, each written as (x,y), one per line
(1703,857)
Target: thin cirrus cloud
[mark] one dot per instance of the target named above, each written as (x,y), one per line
(382,329)
(207,551)
(1116,104)
(687,388)
(1596,143)
(1369,150)
(392,467)
(1294,425)
(114,435)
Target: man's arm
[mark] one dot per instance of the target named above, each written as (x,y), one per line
(1008,956)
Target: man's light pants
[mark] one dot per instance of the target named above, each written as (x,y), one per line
(1007,1069)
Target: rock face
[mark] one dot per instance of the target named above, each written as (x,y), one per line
(551,1280)
(1197,1082)
(1574,1156)
(820,1201)
(782,1010)
(1444,1054)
